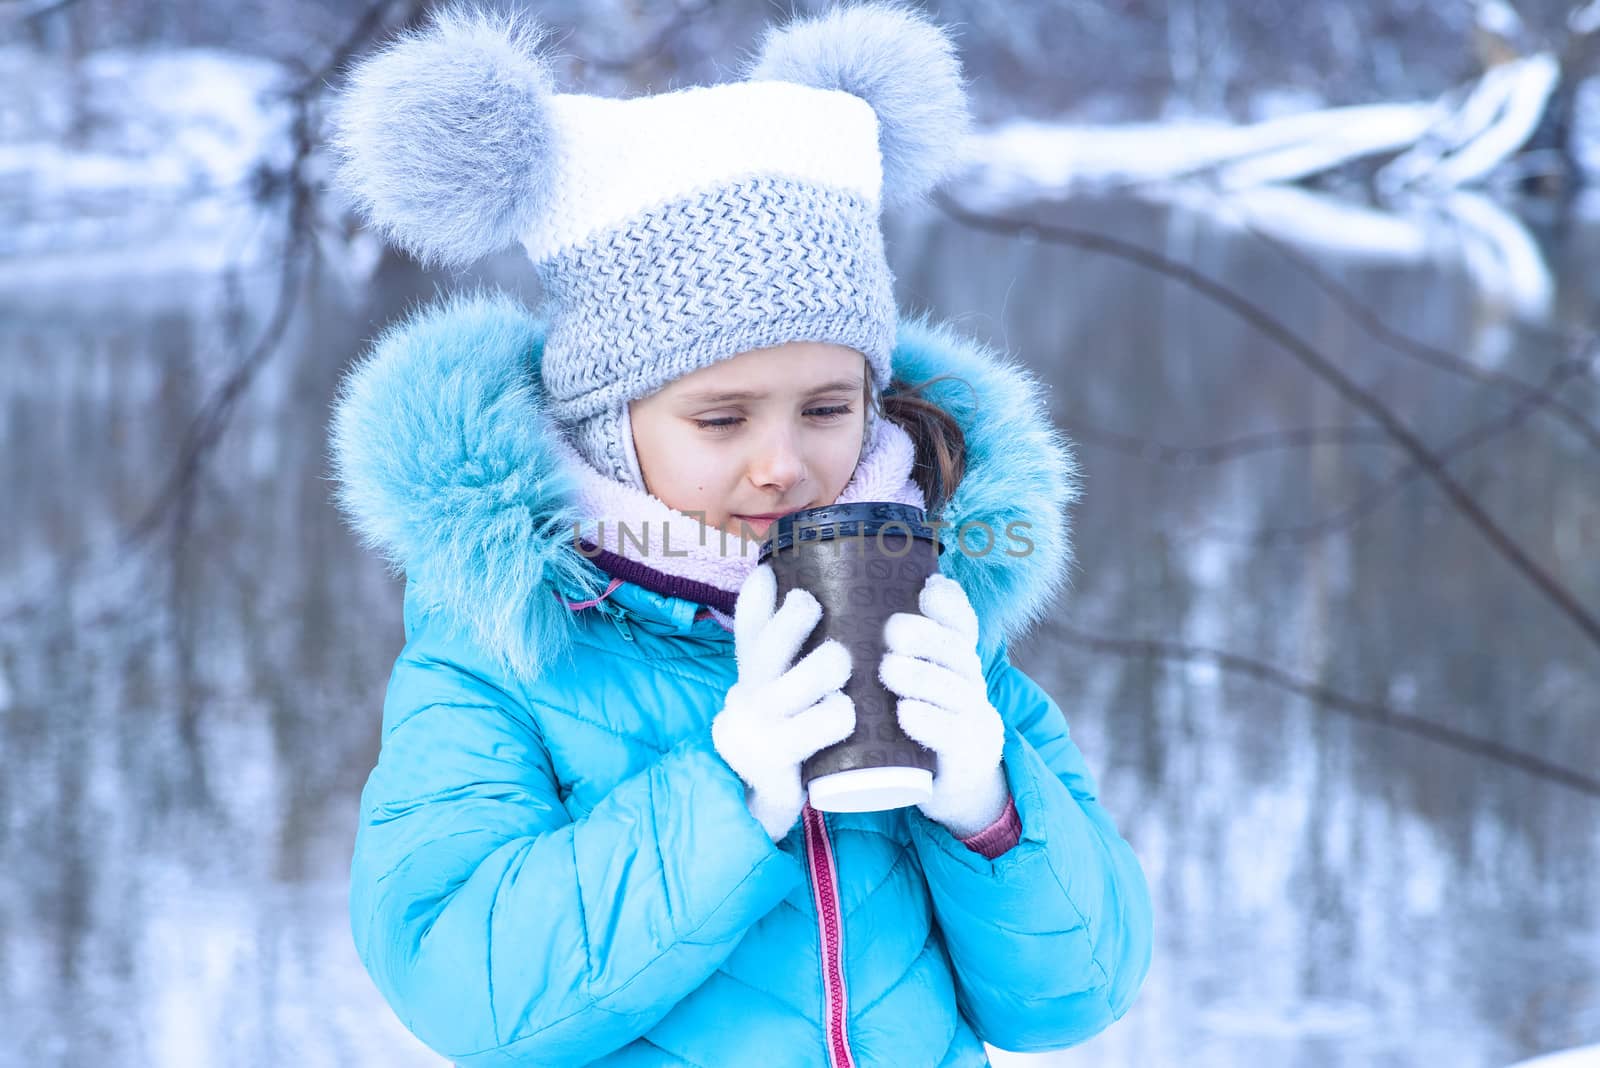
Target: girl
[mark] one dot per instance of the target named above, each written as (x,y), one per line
(586,838)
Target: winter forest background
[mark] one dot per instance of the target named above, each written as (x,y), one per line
(1315,289)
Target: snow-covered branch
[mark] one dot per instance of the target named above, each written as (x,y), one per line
(1495,121)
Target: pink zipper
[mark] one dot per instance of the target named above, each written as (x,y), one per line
(575,605)
(830,925)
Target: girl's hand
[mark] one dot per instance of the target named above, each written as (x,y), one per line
(780,712)
(932,665)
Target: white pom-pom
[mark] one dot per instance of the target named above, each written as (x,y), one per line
(443,138)
(898,61)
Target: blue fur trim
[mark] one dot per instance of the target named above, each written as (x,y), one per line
(444,455)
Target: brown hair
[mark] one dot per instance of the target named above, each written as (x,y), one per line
(941,456)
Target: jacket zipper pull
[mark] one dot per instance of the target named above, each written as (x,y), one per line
(619,617)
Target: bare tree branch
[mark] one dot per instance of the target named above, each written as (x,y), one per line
(176,498)
(208,426)
(1368,502)
(1334,701)
(1231,449)
(212,420)
(367,27)
(1374,325)
(1320,366)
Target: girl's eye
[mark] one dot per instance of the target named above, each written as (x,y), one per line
(724,423)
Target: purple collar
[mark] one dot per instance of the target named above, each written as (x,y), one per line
(618,566)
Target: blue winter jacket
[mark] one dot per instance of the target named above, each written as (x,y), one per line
(554,867)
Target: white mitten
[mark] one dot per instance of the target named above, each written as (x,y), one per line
(776,715)
(932,665)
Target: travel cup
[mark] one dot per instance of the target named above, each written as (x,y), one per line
(863,562)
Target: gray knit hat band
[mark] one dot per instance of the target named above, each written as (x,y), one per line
(750,265)
(605,440)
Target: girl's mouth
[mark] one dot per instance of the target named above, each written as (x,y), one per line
(760,523)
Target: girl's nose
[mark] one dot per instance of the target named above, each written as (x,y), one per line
(778,464)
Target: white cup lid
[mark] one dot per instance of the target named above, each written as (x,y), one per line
(870,789)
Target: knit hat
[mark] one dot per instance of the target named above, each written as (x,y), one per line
(669,231)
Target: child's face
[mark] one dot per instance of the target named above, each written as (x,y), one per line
(788,438)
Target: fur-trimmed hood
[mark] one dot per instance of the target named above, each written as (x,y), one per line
(448,464)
